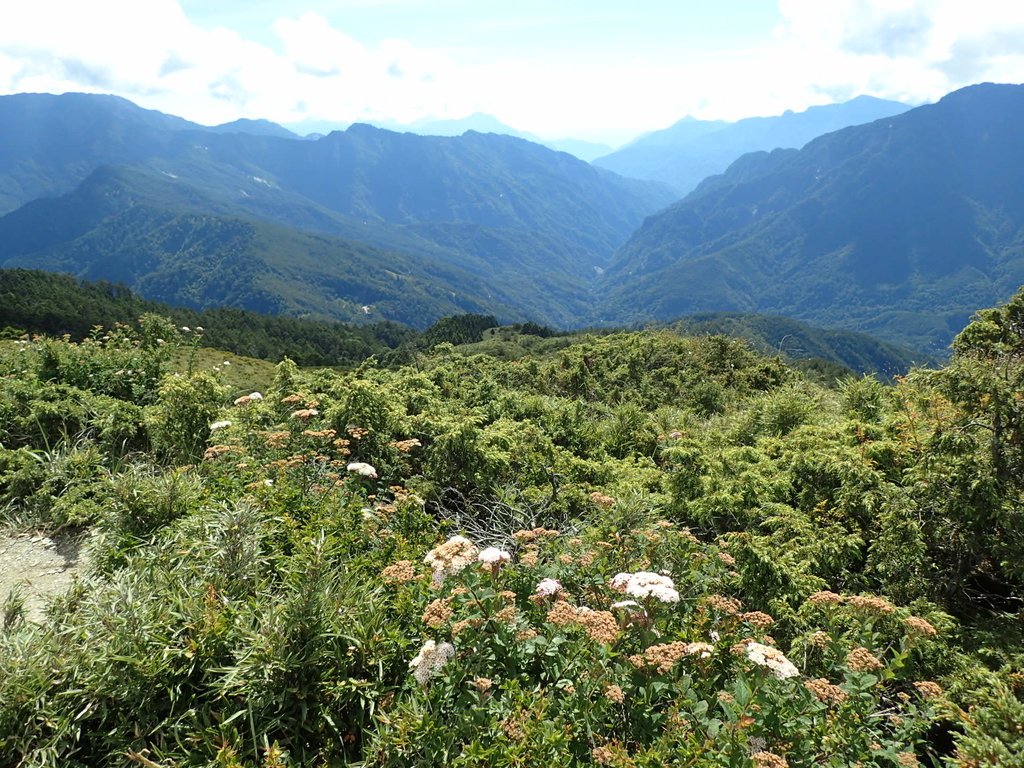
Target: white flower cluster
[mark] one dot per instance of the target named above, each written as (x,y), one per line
(548,587)
(363,469)
(429,660)
(494,556)
(451,557)
(772,659)
(220,425)
(645,584)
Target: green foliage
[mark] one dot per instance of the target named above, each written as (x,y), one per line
(251,600)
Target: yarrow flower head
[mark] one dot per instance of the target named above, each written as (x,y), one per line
(429,660)
(772,659)
(220,425)
(493,555)
(363,469)
(548,587)
(645,584)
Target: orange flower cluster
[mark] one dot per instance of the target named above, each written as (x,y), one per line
(862,660)
(727,605)
(757,619)
(928,689)
(438,613)
(918,627)
(526,537)
(399,573)
(765,759)
(824,691)
(878,606)
(825,598)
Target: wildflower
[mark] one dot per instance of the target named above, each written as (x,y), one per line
(602,500)
(429,660)
(614,694)
(907,760)
(219,425)
(824,691)
(757,619)
(405,446)
(494,556)
(449,558)
(482,684)
(765,759)
(772,659)
(928,689)
(726,558)
(437,614)
(226,363)
(819,639)
(562,614)
(186,329)
(631,606)
(645,584)
(255,396)
(918,627)
(399,573)
(548,587)
(305,413)
(600,625)
(529,557)
(603,755)
(878,606)
(726,605)
(862,660)
(824,597)
(363,469)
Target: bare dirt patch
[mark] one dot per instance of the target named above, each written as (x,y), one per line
(39,568)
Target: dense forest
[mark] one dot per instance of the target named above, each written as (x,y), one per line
(630,549)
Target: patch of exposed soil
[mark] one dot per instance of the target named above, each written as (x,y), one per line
(39,567)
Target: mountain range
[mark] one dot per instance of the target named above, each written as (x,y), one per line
(494,223)
(689,151)
(901,227)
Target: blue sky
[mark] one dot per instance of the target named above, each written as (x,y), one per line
(602,70)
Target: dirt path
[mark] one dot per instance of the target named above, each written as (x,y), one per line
(40,567)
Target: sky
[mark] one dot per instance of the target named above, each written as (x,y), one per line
(598,70)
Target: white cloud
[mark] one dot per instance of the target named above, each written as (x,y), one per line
(309,68)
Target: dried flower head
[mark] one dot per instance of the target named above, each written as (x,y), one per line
(399,573)
(862,660)
(824,691)
(726,558)
(727,605)
(614,694)
(825,598)
(438,613)
(918,627)
(871,605)
(482,684)
(602,500)
(907,760)
(757,619)
(928,689)
(765,759)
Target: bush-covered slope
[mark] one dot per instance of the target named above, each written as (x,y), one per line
(671,550)
(899,228)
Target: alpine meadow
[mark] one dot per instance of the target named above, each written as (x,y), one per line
(559,387)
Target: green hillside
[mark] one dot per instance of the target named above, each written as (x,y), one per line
(899,228)
(637,549)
